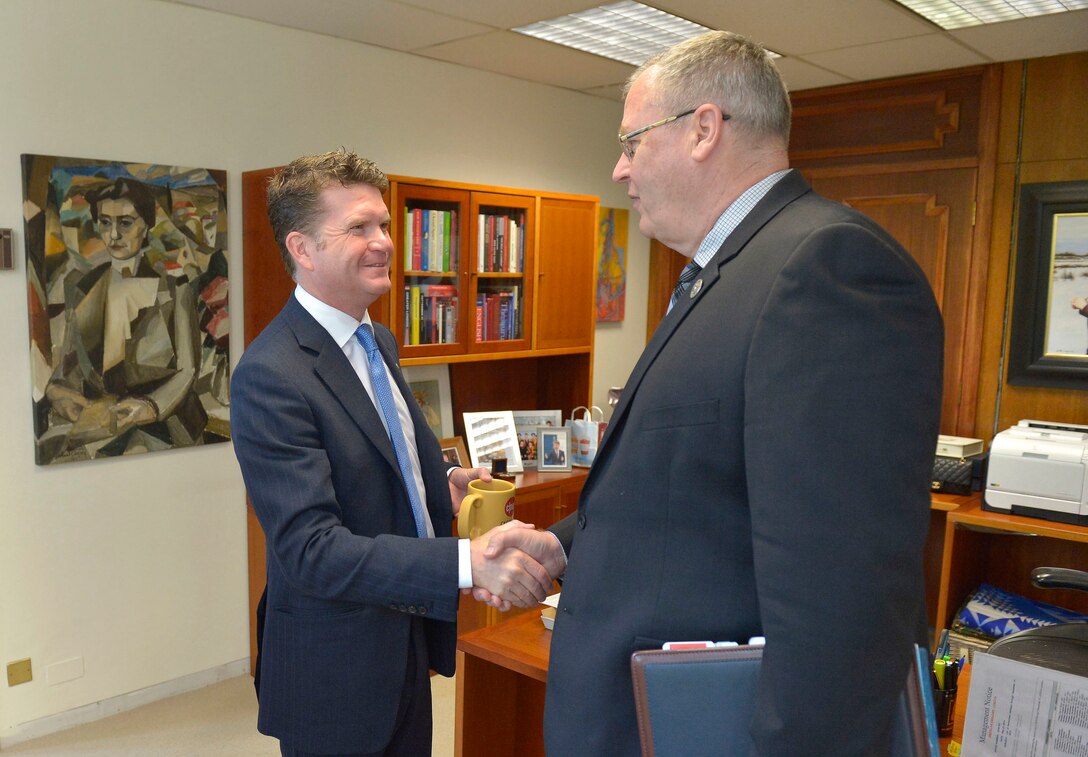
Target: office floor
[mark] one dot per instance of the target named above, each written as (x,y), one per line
(216,721)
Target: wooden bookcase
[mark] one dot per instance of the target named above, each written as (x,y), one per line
(545,362)
(980,546)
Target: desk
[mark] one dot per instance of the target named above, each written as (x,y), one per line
(501,672)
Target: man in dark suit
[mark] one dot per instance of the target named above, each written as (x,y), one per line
(350,489)
(766,469)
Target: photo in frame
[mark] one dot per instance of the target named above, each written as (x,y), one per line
(453,451)
(491,435)
(430,385)
(526,423)
(1048,339)
(553,454)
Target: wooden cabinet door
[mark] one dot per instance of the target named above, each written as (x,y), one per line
(566,274)
(931,213)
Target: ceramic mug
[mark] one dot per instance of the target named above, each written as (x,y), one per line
(485,506)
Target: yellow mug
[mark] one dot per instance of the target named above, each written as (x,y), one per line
(485,506)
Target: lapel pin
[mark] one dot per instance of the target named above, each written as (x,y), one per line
(695,288)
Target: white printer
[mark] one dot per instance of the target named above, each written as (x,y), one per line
(1040,469)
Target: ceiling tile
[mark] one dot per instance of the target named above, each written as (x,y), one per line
(1030,37)
(792,27)
(503,14)
(531,59)
(932,52)
(801,75)
(383,23)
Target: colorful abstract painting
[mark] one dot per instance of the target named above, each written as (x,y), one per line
(611,264)
(127,290)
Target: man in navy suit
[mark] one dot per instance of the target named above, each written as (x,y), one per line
(362,594)
(766,471)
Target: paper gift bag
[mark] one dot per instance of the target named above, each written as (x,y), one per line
(586,430)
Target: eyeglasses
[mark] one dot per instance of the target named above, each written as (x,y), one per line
(628,146)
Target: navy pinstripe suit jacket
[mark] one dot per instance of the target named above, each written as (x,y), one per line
(346,573)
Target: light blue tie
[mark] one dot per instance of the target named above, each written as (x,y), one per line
(384,395)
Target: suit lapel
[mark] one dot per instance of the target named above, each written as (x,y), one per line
(336,373)
(788,189)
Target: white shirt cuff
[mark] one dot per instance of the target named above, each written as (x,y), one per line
(464,565)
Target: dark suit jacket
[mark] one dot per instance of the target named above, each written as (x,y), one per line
(765,472)
(346,573)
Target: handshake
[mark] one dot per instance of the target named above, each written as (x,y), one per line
(514,564)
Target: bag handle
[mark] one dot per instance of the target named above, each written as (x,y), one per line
(588,414)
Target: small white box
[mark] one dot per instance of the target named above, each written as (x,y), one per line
(958,446)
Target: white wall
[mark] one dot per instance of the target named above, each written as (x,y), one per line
(138,565)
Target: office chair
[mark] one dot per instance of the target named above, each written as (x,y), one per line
(1058,647)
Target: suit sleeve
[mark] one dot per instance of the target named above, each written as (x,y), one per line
(280,440)
(842,404)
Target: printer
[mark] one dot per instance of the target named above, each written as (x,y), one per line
(1040,469)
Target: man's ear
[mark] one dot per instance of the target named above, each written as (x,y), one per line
(300,246)
(709,129)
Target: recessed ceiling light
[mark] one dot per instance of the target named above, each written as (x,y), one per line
(627,31)
(957,14)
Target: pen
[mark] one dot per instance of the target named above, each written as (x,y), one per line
(951,674)
(938,671)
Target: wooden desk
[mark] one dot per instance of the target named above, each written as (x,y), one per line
(501,672)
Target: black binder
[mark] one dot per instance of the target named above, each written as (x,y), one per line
(699,703)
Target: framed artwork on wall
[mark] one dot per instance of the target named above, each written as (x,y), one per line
(1048,333)
(430,386)
(127,289)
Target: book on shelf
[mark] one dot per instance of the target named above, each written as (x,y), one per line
(430,313)
(498,314)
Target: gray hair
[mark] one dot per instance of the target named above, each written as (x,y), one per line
(725,69)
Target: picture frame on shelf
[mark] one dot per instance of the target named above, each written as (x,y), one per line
(453,451)
(553,453)
(430,385)
(526,423)
(1048,339)
(493,434)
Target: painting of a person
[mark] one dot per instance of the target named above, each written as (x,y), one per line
(124,380)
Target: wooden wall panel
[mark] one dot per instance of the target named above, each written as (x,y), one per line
(930,214)
(1052,146)
(935,117)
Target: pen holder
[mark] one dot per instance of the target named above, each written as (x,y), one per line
(944,701)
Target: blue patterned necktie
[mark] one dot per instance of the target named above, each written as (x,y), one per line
(691,270)
(384,395)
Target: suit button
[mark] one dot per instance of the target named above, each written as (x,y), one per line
(581,520)
(404,608)
(422,610)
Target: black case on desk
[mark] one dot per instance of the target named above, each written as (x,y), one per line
(695,703)
(959,475)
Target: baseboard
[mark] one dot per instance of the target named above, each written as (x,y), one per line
(89,713)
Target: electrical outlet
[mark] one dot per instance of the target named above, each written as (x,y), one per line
(19,672)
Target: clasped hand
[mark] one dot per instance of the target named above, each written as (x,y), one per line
(514,564)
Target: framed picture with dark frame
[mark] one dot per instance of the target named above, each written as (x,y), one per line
(453,451)
(1048,339)
(553,452)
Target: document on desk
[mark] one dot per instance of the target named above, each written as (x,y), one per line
(1023,710)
